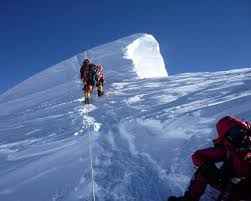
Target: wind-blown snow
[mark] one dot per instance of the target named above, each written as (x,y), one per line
(143,130)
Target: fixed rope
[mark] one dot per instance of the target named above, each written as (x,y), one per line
(92,171)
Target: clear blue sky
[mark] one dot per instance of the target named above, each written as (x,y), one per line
(194,35)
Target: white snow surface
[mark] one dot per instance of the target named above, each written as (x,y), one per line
(143,130)
(145,54)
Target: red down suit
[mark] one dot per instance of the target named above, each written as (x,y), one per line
(237,162)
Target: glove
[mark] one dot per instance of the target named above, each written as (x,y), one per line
(85,84)
(237,180)
(238,185)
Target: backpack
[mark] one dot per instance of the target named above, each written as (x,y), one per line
(82,70)
(92,73)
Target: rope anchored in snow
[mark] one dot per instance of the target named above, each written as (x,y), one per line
(87,123)
(91,164)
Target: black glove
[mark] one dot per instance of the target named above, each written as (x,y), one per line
(84,87)
(240,184)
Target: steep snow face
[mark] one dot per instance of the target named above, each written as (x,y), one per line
(143,130)
(146,57)
(57,80)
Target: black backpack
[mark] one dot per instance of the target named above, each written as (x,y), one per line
(92,73)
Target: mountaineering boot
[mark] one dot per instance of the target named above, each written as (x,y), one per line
(100,93)
(173,198)
(87,101)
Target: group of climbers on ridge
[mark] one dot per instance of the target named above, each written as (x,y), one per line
(233,178)
(91,75)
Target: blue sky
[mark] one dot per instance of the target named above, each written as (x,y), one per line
(194,35)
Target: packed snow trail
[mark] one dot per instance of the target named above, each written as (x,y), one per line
(143,130)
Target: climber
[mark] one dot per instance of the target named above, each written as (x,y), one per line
(91,74)
(233,178)
(100,78)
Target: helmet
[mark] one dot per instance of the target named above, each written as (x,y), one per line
(86,61)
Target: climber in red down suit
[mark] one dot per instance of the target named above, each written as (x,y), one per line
(233,178)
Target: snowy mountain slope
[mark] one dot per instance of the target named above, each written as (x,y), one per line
(143,130)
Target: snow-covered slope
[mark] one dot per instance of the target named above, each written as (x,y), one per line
(143,130)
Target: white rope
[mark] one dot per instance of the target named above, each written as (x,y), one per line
(92,171)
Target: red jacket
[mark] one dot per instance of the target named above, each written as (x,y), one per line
(240,160)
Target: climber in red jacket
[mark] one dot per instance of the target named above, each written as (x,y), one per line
(233,178)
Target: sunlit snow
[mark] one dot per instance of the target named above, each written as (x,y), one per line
(145,54)
(143,130)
